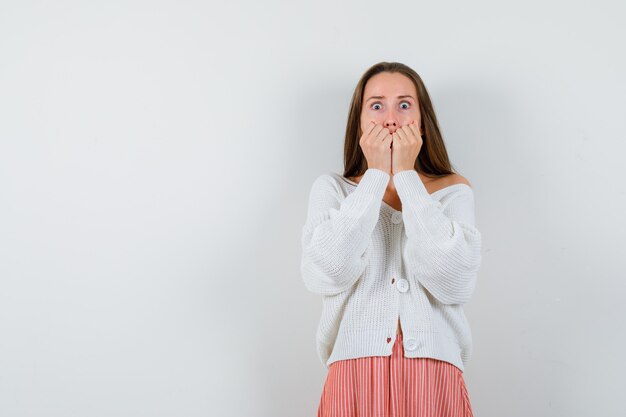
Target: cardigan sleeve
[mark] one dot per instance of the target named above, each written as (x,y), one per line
(443,250)
(338,231)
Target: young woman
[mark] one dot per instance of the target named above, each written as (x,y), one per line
(392,248)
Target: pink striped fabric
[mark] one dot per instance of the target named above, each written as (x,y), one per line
(394,386)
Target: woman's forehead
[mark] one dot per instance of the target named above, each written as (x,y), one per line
(389,85)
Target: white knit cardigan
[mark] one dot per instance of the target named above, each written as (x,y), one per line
(372,264)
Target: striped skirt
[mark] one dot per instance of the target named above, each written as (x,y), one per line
(394,386)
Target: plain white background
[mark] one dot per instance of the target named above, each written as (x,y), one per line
(155,164)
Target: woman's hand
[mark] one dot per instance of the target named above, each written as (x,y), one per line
(376,145)
(406,145)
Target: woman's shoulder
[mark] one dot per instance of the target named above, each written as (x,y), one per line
(328,181)
(434,184)
(454,179)
(448,186)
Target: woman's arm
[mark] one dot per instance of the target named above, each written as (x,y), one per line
(337,232)
(443,249)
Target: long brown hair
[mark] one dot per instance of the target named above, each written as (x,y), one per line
(432,159)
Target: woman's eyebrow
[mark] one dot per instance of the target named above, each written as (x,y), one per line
(404,96)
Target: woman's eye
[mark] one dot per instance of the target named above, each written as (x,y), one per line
(404,102)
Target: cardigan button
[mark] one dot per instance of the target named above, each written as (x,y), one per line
(410,343)
(402,285)
(396,217)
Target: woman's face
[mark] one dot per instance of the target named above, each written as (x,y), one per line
(390,99)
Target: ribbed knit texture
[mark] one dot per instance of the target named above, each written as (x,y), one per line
(372,264)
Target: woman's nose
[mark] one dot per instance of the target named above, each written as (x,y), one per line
(391,125)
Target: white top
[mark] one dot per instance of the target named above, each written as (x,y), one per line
(372,264)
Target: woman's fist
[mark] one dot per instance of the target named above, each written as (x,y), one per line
(407,143)
(376,145)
